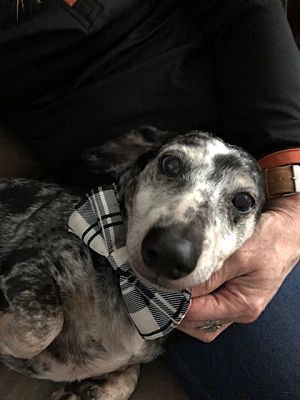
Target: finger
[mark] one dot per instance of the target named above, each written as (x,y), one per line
(232,268)
(203,335)
(188,324)
(223,304)
(214,282)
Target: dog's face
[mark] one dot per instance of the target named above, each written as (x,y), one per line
(190,203)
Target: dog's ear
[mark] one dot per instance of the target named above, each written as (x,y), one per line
(117,155)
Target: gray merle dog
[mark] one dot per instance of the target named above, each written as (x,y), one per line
(188,201)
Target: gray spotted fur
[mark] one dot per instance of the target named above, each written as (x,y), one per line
(61,313)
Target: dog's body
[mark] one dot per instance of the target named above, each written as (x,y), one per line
(62,316)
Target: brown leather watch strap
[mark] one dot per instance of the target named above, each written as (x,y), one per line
(282,180)
(282,157)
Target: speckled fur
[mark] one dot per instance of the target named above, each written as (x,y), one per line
(61,313)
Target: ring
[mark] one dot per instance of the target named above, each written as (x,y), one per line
(211,326)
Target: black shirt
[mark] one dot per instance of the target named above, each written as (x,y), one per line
(73,77)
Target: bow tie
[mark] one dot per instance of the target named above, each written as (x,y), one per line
(97,221)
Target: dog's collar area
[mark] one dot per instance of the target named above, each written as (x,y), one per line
(97,221)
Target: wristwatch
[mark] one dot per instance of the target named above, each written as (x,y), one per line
(281,171)
(282,180)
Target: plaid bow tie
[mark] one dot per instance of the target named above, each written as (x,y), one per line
(97,221)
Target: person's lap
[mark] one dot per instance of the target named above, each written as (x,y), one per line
(259,361)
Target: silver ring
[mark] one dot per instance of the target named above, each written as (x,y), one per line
(211,326)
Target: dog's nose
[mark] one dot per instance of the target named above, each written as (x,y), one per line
(169,253)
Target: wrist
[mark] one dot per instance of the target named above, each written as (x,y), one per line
(281,172)
(285,212)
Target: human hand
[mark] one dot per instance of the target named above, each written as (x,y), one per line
(249,279)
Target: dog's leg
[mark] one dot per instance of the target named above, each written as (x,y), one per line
(117,385)
(30,310)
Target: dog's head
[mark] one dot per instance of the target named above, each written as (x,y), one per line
(190,201)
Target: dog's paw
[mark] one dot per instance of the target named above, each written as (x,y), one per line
(80,390)
(61,394)
(93,392)
(118,385)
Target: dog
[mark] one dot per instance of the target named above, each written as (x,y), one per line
(188,201)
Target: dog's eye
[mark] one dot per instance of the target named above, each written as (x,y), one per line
(170,165)
(243,202)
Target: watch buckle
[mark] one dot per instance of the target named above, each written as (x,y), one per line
(296,177)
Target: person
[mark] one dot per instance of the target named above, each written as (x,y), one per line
(75,73)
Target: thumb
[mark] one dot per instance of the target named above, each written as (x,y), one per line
(229,270)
